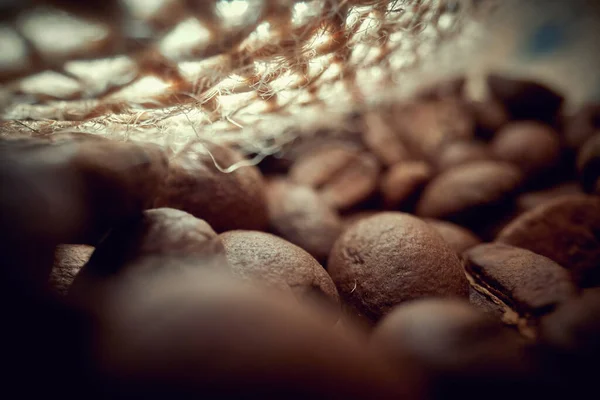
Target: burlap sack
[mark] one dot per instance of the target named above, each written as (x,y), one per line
(259,73)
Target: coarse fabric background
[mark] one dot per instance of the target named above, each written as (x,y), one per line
(260,73)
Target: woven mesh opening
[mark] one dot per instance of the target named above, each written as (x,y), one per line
(257,73)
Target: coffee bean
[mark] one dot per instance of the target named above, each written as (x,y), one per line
(462,152)
(570,337)
(320,166)
(588,165)
(403,182)
(163,232)
(575,325)
(460,351)
(389,258)
(73,191)
(298,214)
(425,127)
(354,185)
(580,127)
(533,147)
(306,144)
(490,116)
(524,99)
(530,200)
(466,192)
(349,219)
(234,200)
(269,260)
(381,140)
(161,239)
(49,340)
(68,260)
(459,238)
(525,284)
(343,176)
(483,304)
(126,174)
(27,182)
(565,230)
(196,335)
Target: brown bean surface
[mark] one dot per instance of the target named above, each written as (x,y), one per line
(464,192)
(298,214)
(233,200)
(389,258)
(269,260)
(565,230)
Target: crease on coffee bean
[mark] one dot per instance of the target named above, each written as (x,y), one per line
(509,316)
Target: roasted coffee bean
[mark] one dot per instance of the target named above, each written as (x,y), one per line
(354,185)
(195,335)
(525,284)
(575,325)
(465,193)
(137,170)
(68,260)
(320,166)
(580,127)
(234,200)
(69,192)
(533,147)
(570,338)
(490,116)
(298,214)
(49,340)
(389,258)
(35,192)
(301,146)
(459,238)
(425,127)
(565,230)
(530,200)
(482,303)
(161,239)
(349,219)
(342,175)
(462,152)
(588,165)
(460,351)
(161,232)
(383,141)
(524,99)
(402,183)
(269,260)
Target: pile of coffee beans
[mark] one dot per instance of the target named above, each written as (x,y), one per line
(441,248)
